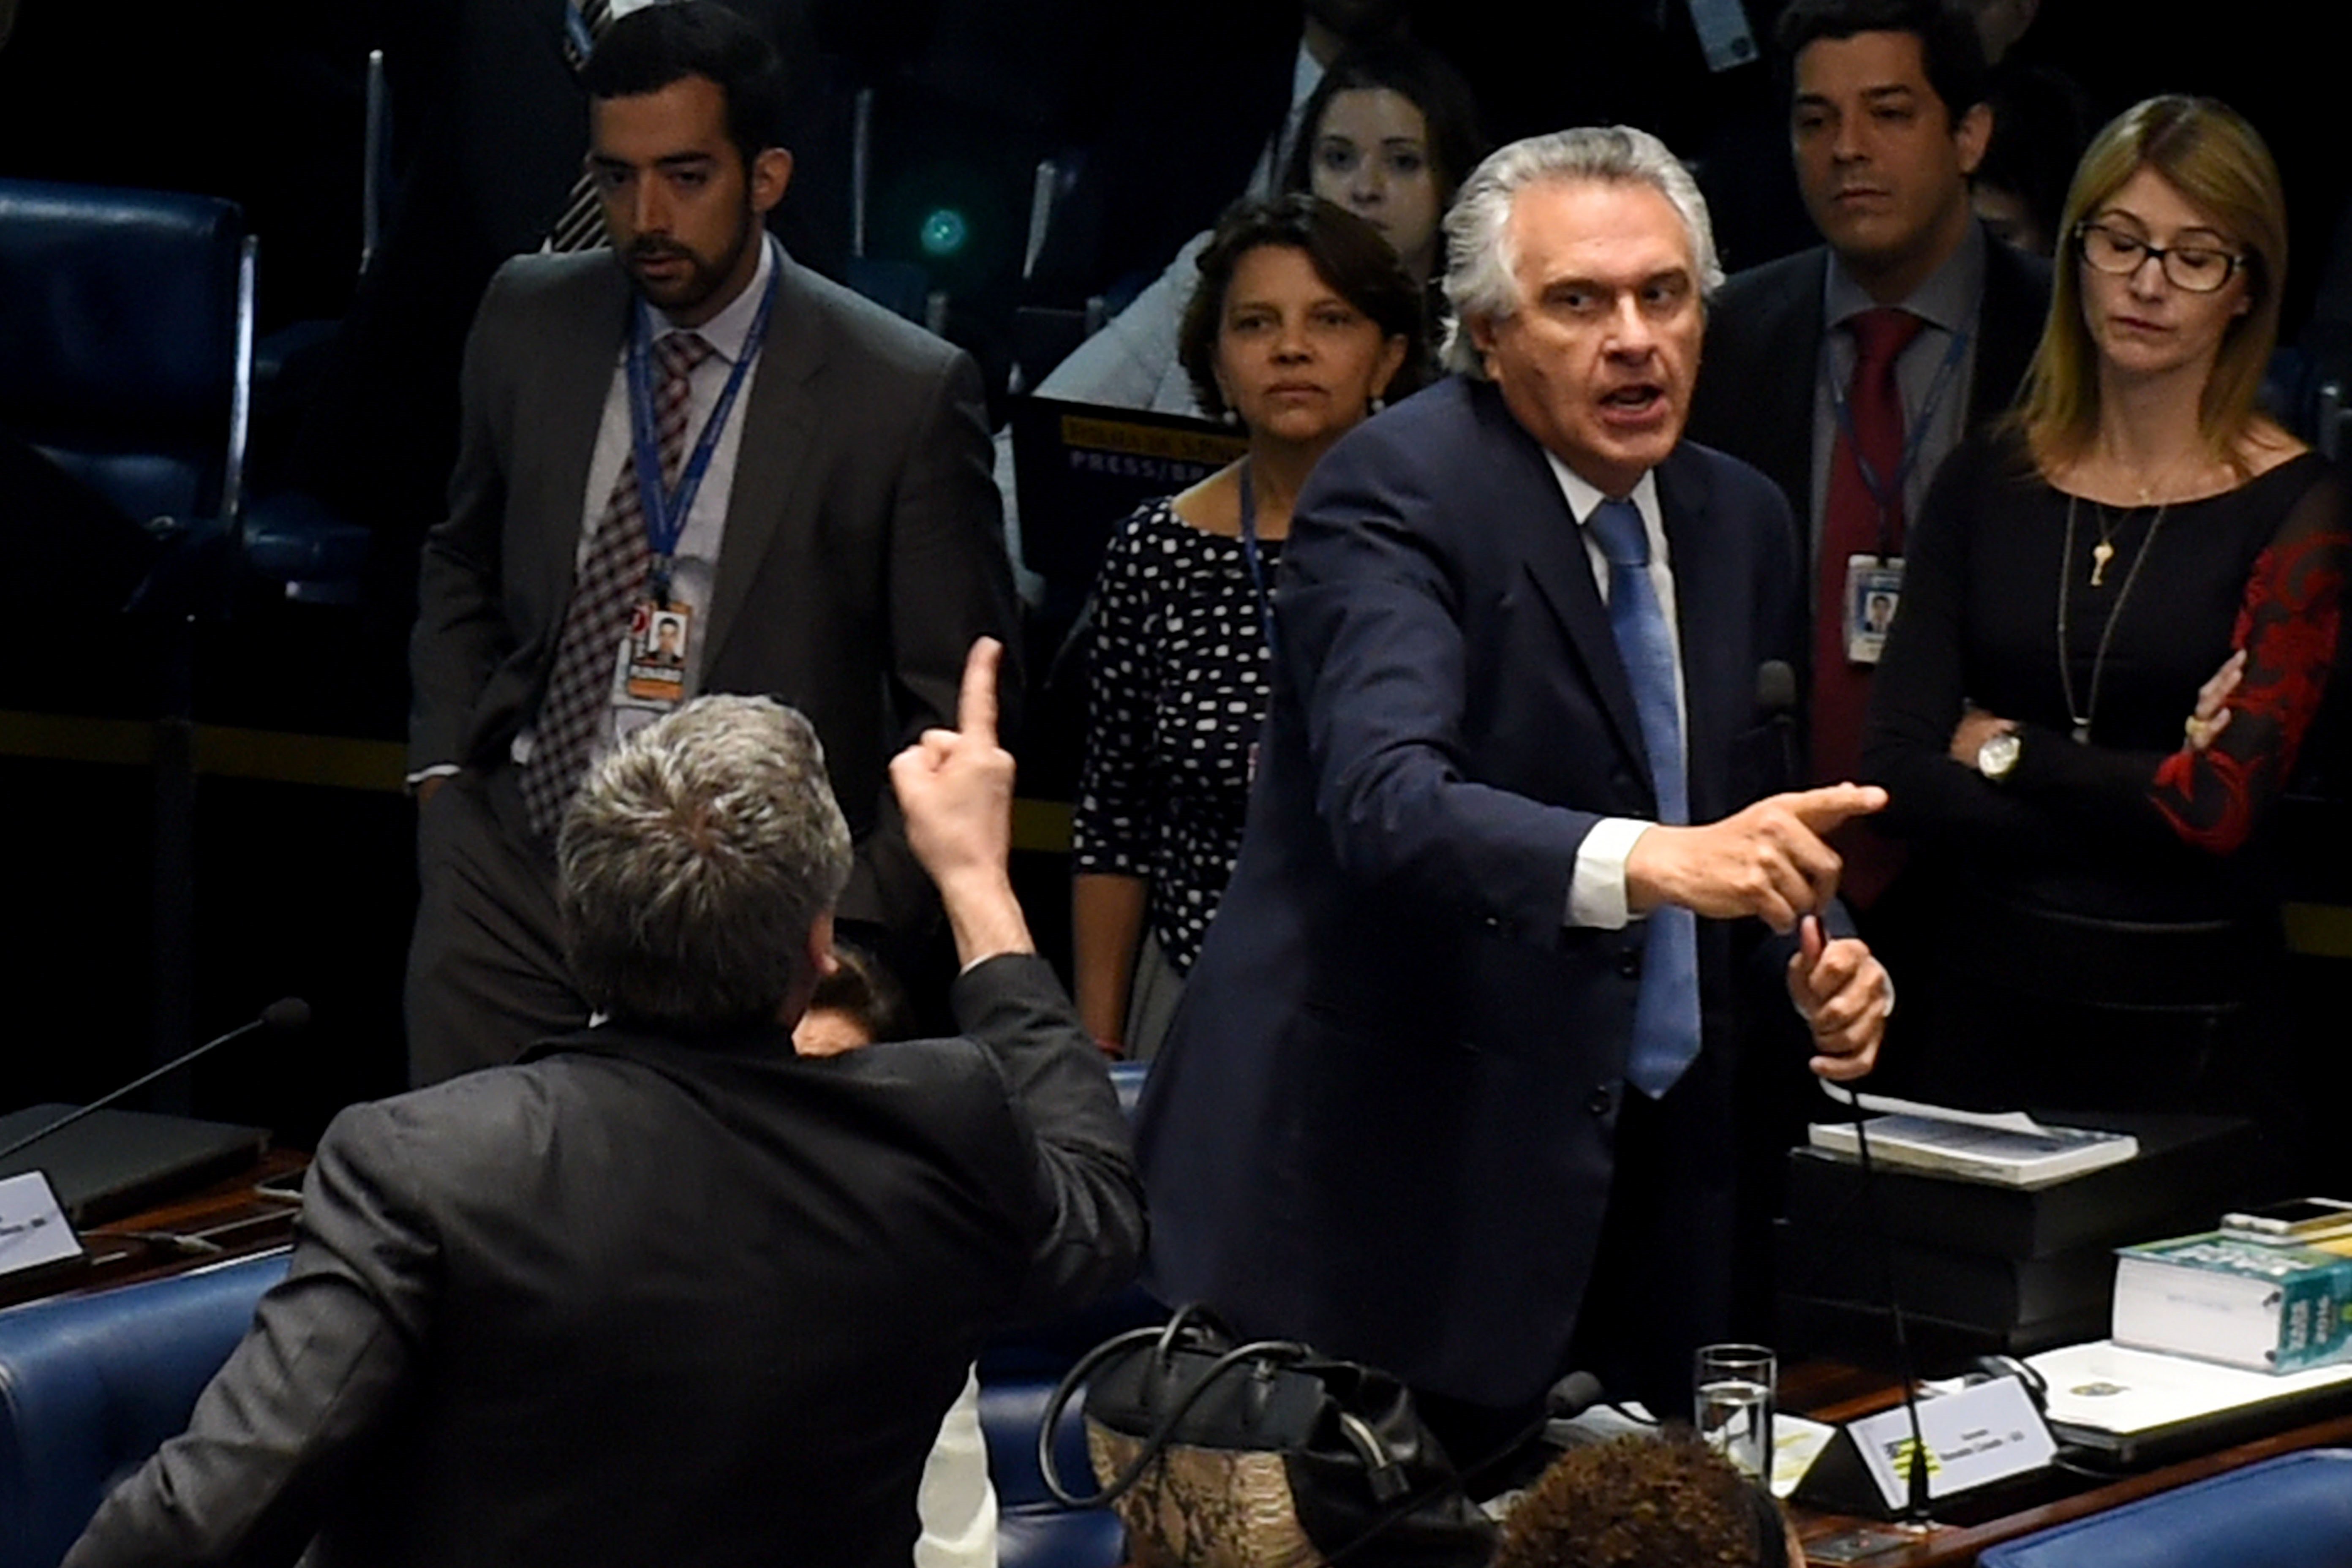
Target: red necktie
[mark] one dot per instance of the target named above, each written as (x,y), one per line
(604,595)
(1851,525)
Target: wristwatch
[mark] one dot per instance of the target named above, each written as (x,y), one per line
(1997,758)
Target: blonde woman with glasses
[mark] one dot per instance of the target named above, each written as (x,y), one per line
(2116,625)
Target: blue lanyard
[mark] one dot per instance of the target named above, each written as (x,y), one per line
(1251,558)
(1889,496)
(666,512)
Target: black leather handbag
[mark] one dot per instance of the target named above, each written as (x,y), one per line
(1260,1455)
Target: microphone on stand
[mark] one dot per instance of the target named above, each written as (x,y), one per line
(286,1015)
(1776,694)
(1915,1507)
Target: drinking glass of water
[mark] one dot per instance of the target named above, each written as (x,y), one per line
(1734,1387)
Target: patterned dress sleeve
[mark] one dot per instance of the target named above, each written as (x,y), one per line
(2288,627)
(1112,823)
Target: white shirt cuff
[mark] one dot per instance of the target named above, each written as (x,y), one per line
(1596,893)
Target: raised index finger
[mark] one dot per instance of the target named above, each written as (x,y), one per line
(976,704)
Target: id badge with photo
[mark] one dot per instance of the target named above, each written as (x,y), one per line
(654,658)
(1873,591)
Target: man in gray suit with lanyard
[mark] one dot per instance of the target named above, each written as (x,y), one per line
(685,434)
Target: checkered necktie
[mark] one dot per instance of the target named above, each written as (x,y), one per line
(1665,1009)
(610,582)
(580,225)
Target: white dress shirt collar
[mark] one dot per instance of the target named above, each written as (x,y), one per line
(727,331)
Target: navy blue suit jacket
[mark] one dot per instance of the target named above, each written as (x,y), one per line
(1385,1117)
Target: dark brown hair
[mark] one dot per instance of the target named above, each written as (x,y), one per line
(1348,254)
(1449,114)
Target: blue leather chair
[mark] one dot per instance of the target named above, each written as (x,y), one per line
(126,357)
(127,318)
(92,1386)
(1033,1530)
(2294,1512)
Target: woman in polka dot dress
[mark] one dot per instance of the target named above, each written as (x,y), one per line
(1303,320)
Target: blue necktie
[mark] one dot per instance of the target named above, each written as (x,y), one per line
(1665,1014)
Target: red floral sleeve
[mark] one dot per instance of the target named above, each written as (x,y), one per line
(2288,625)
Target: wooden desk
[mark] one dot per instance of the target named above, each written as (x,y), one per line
(226,1219)
(1830,1393)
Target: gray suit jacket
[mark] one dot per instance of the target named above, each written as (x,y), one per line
(864,548)
(640,1301)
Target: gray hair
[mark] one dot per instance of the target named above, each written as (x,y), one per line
(694,862)
(1478,278)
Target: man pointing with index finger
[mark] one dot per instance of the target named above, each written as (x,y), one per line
(1451,1088)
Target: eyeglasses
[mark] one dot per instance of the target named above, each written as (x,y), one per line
(2199,268)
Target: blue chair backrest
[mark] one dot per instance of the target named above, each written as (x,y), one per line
(1018,1373)
(1032,1529)
(123,336)
(92,1386)
(2294,1512)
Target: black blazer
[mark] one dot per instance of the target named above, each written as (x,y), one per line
(635,1301)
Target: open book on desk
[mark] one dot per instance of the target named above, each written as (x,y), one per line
(2007,1149)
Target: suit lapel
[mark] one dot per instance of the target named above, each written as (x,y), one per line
(1555,559)
(1710,572)
(780,424)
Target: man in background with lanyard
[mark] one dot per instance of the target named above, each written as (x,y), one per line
(685,465)
(1847,372)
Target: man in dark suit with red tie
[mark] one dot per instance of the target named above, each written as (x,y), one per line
(1847,372)
(1449,1091)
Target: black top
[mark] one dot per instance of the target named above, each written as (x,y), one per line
(2129,870)
(2132,825)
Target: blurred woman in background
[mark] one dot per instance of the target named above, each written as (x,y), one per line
(1390,134)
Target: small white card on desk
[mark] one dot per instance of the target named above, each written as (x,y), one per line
(33,1228)
(1982,1433)
(1796,1444)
